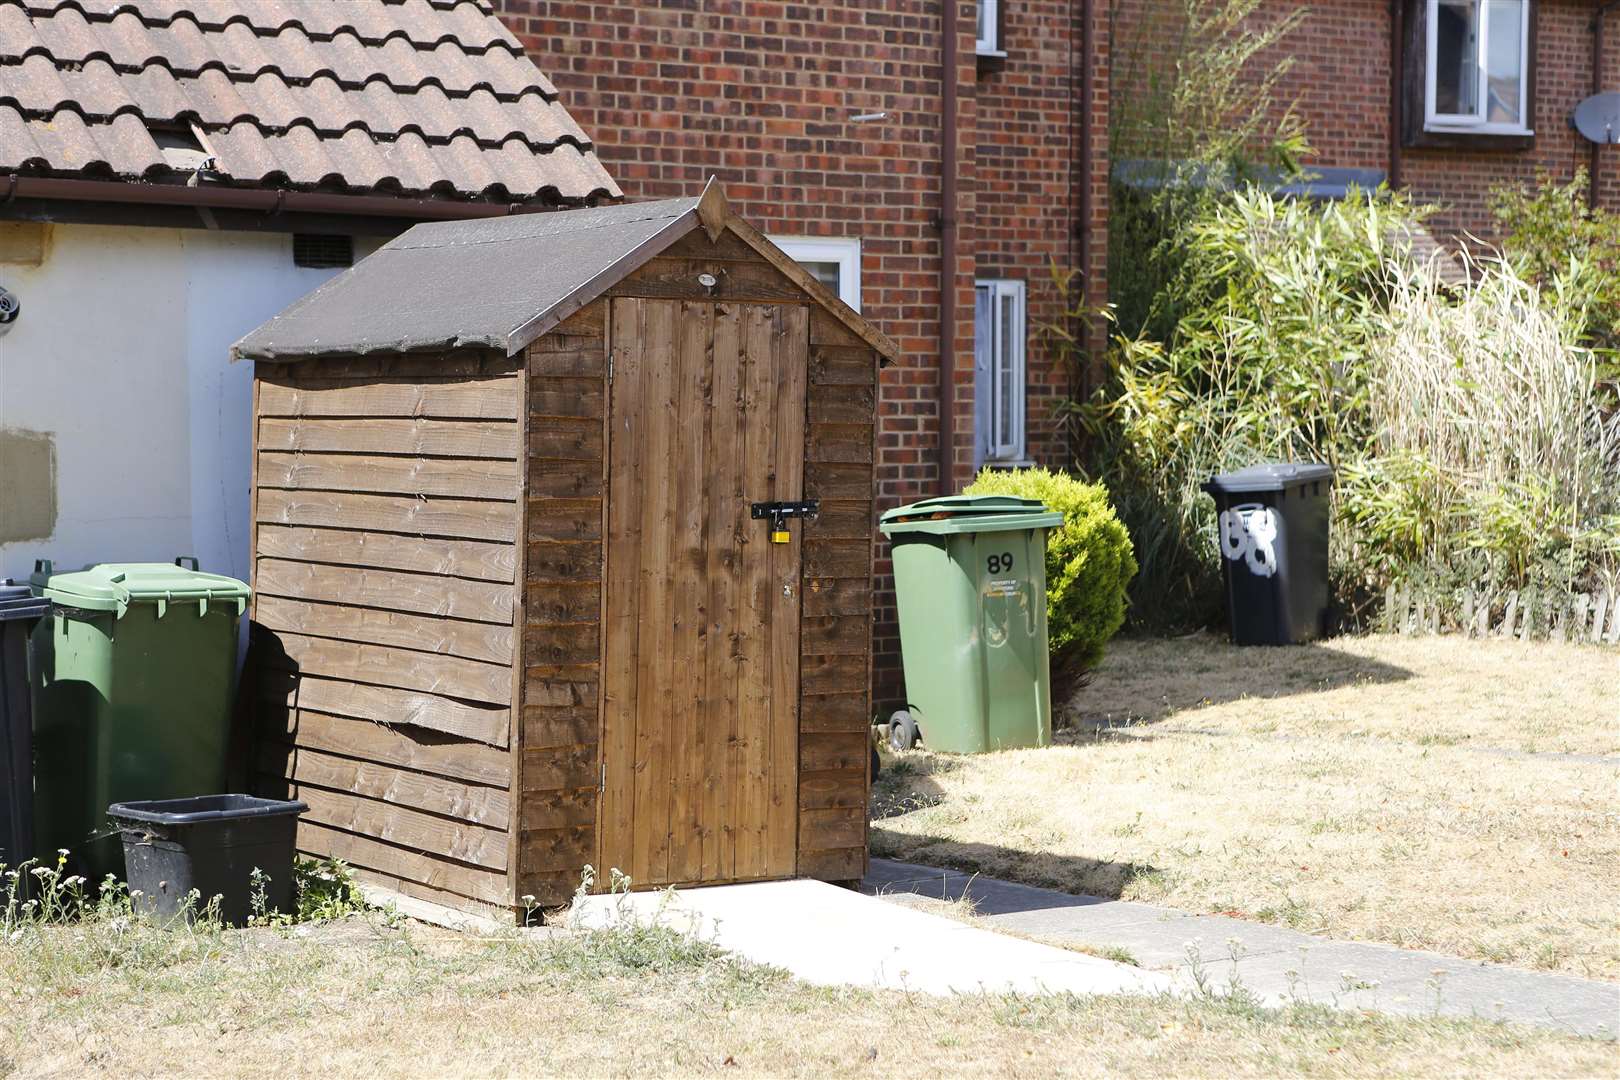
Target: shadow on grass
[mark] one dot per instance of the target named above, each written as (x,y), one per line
(901,790)
(991,875)
(1148,681)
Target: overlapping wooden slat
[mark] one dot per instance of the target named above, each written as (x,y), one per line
(425,868)
(489,642)
(426,594)
(443,398)
(446,676)
(393,705)
(413,829)
(467,519)
(403,746)
(462,478)
(389,551)
(477,803)
(382,435)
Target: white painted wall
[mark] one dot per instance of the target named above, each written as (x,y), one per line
(122,351)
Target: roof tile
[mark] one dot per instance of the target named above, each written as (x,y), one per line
(418,20)
(422,96)
(66,142)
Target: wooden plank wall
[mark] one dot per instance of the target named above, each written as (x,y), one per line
(559,768)
(385,521)
(835,712)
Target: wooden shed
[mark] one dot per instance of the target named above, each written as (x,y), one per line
(514,612)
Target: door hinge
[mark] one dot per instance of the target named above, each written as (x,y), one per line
(610,366)
(601,780)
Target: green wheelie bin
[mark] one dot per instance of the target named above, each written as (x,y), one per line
(134,674)
(970,580)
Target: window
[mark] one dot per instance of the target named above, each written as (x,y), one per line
(1478,67)
(998,372)
(836,263)
(989,29)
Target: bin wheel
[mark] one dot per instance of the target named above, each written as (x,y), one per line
(877,763)
(902,731)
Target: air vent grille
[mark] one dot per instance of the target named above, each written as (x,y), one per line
(322,251)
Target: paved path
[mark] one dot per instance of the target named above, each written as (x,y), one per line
(1277,964)
(836,937)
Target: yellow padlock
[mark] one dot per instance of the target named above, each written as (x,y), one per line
(781,536)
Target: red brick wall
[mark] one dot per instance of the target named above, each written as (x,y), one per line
(1341,83)
(763,95)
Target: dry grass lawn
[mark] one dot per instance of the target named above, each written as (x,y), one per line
(1432,793)
(361,999)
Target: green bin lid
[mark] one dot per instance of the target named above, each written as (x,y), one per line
(115,586)
(969,513)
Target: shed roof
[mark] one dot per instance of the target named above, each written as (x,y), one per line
(503,282)
(424,97)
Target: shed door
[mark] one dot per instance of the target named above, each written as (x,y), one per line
(701,656)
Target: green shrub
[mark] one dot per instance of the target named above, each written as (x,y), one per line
(1089,561)
(1569,251)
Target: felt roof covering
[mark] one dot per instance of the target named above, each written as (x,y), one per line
(532,271)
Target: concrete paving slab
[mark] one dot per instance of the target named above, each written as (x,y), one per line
(890,875)
(837,937)
(1274,963)
(1408,982)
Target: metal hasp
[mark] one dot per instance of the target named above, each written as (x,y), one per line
(779,512)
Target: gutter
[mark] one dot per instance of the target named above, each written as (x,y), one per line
(265,201)
(1088,70)
(949,25)
(1397,78)
(1594,173)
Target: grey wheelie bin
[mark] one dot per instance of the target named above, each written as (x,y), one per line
(1274,551)
(20,609)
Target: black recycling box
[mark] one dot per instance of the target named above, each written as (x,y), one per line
(211,844)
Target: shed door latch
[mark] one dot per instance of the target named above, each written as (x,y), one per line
(779,512)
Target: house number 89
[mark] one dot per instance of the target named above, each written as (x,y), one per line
(1000,564)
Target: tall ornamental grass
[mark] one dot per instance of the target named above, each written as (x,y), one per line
(1491,456)
(1468,425)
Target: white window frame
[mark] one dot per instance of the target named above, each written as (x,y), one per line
(845,251)
(1477,124)
(988,43)
(1002,448)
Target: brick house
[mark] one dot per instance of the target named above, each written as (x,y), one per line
(827,124)
(1481,95)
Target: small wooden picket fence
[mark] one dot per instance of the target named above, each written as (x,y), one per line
(1592,619)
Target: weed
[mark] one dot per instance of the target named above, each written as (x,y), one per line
(326,890)
(1117,953)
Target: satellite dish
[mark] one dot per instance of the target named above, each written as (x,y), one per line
(1598,118)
